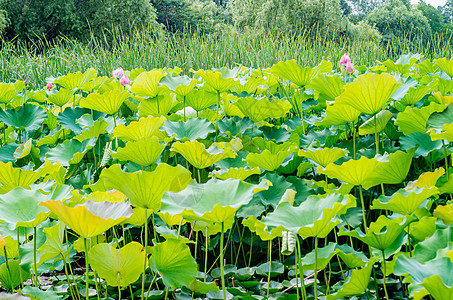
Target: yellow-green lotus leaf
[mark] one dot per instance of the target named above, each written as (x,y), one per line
(229,107)
(323,156)
(2,242)
(143,128)
(237,173)
(214,202)
(108,103)
(404,202)
(331,86)
(146,84)
(145,189)
(11,177)
(445,134)
(250,85)
(219,80)
(76,80)
(90,218)
(261,229)
(144,152)
(119,267)
(7,92)
(201,99)
(267,160)
(259,110)
(369,93)
(445,213)
(445,65)
(416,94)
(200,157)
(23,149)
(181,85)
(391,169)
(427,179)
(54,245)
(79,244)
(11,247)
(108,196)
(339,114)
(19,208)
(437,288)
(443,99)
(414,119)
(315,217)
(376,123)
(290,70)
(172,220)
(157,106)
(138,217)
(355,172)
(62,97)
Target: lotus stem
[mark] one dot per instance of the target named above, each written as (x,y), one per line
(217,115)
(316,267)
(87,291)
(6,261)
(385,272)
(221,260)
(184,109)
(300,270)
(376,137)
(446,159)
(18,248)
(353,140)
(35,267)
(206,255)
(67,276)
(363,209)
(119,287)
(302,110)
(146,254)
(270,264)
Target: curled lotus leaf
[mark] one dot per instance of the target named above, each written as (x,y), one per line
(324,156)
(90,218)
(62,97)
(7,92)
(414,119)
(200,157)
(145,189)
(445,213)
(236,173)
(143,128)
(146,84)
(445,65)
(108,102)
(220,80)
(301,76)
(376,123)
(144,152)
(259,110)
(181,85)
(157,106)
(339,114)
(76,80)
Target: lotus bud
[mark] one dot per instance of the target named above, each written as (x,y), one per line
(26,82)
(118,73)
(124,80)
(49,86)
(350,68)
(344,60)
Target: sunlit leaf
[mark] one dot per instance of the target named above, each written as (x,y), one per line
(404,202)
(323,156)
(146,84)
(145,127)
(144,152)
(259,110)
(29,117)
(76,80)
(375,124)
(200,157)
(192,129)
(108,103)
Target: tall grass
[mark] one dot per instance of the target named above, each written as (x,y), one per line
(43,59)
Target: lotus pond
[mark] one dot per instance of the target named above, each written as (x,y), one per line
(290,182)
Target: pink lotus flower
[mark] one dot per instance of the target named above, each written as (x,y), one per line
(124,80)
(49,86)
(26,82)
(344,60)
(118,73)
(349,68)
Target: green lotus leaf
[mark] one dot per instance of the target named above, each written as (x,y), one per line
(376,123)
(99,127)
(391,169)
(415,94)
(331,86)
(444,212)
(181,85)
(144,152)
(90,218)
(414,119)
(259,110)
(62,97)
(157,106)
(438,119)
(108,103)
(11,247)
(339,114)
(197,286)
(354,172)
(272,157)
(53,246)
(261,229)
(68,118)
(146,84)
(174,262)
(445,134)
(145,189)
(356,284)
(236,173)
(192,129)
(7,92)
(351,257)
(369,93)
(20,208)
(290,70)
(200,157)
(7,152)
(11,276)
(323,156)
(70,151)
(422,142)
(23,149)
(445,65)
(29,117)
(50,139)
(324,255)
(427,249)
(11,177)
(143,128)
(220,80)
(404,202)
(96,83)
(250,85)
(201,99)
(315,217)
(408,83)
(380,234)
(37,293)
(422,229)
(119,267)
(75,81)
(215,201)
(437,289)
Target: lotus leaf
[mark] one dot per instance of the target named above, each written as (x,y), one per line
(323,156)
(62,97)
(23,149)
(321,260)
(376,124)
(29,117)
(219,80)
(197,286)
(315,217)
(7,92)
(445,65)
(91,218)
(192,129)
(146,84)
(351,257)
(70,151)
(181,85)
(201,99)
(423,143)
(158,106)
(416,94)
(200,157)
(259,110)
(404,202)
(215,201)
(145,127)
(54,243)
(108,103)
(369,93)
(119,267)
(422,229)
(145,189)
(236,173)
(173,261)
(290,70)
(444,212)
(339,114)
(144,152)
(413,119)
(74,81)
(10,275)
(445,134)
(331,86)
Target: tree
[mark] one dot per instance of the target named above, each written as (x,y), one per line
(346,8)
(363,7)
(434,16)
